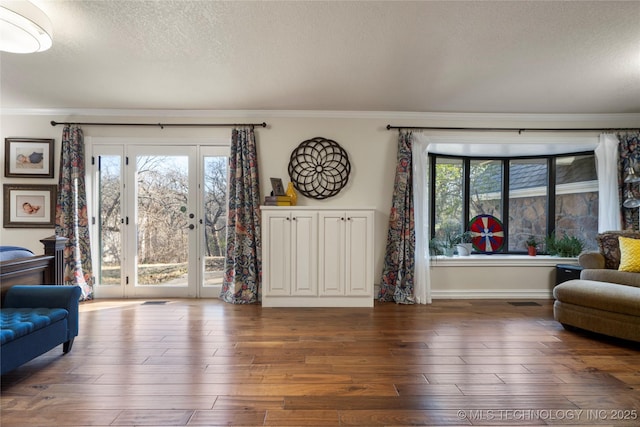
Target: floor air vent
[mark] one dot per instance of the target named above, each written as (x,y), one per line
(154,302)
(524,304)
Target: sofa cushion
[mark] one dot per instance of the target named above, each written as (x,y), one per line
(17,322)
(629,254)
(610,246)
(600,295)
(611,276)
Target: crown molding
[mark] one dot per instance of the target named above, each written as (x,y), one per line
(326,114)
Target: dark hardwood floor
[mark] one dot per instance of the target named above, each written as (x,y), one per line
(208,363)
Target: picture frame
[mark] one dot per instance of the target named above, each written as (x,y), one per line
(28,157)
(29,206)
(277,187)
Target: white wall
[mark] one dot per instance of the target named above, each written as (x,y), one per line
(29,127)
(371,147)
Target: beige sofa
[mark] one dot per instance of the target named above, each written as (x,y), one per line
(603,300)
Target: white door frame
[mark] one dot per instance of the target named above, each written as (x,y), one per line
(126,147)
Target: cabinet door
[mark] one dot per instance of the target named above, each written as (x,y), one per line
(276,254)
(359,253)
(331,253)
(304,243)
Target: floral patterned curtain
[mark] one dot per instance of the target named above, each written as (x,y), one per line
(71,212)
(241,284)
(399,262)
(629,152)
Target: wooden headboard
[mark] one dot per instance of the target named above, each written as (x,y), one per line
(35,270)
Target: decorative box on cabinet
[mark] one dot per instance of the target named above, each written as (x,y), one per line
(317,257)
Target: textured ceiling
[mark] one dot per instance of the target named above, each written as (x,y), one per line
(453,56)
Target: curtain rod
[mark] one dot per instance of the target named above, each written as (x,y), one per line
(164,125)
(519,130)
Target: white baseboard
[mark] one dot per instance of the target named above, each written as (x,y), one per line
(492,294)
(486,294)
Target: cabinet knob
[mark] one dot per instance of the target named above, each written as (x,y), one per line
(294,218)
(341,218)
(288,219)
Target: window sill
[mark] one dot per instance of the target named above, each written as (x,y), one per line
(499,260)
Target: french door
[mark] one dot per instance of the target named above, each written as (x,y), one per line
(160,216)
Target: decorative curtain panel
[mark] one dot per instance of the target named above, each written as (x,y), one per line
(71,212)
(629,156)
(241,283)
(399,263)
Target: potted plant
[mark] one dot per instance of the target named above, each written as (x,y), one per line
(435,248)
(569,247)
(448,244)
(463,243)
(532,245)
(444,241)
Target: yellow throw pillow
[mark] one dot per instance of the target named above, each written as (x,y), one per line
(629,254)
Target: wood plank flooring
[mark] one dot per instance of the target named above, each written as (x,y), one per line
(208,363)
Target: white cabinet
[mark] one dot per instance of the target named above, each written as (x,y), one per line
(289,253)
(345,252)
(317,257)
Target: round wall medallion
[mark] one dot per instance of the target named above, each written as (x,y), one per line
(319,168)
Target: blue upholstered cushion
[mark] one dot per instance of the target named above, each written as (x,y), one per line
(8,253)
(17,322)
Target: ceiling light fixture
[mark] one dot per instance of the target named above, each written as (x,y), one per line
(24,28)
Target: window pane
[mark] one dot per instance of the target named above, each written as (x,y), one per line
(162,220)
(110,189)
(448,194)
(215,218)
(577,198)
(485,188)
(528,181)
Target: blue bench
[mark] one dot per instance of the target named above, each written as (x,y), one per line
(36,319)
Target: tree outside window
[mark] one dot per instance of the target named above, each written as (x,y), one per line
(448,199)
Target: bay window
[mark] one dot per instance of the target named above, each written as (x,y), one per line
(533,195)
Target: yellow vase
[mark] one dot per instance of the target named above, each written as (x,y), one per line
(291,192)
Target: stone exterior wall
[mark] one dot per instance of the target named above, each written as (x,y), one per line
(527,216)
(576,215)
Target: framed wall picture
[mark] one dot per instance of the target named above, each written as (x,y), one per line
(29,206)
(28,157)
(277,187)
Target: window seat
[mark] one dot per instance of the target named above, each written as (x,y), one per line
(494,276)
(498,260)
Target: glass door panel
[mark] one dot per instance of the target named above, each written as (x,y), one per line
(214,218)
(165,221)
(107,218)
(110,219)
